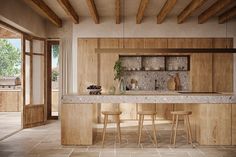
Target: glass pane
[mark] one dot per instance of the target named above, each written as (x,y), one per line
(27,46)
(55,78)
(38,80)
(27,79)
(38,46)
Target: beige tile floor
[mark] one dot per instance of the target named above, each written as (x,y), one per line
(10,122)
(44,141)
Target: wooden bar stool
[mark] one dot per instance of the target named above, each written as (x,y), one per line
(141,119)
(174,127)
(117,117)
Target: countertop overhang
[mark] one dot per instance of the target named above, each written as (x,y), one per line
(219,98)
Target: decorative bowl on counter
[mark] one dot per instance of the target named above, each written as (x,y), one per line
(94,89)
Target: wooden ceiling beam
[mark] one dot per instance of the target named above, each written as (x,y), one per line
(93,10)
(213,10)
(226,16)
(47,11)
(70,11)
(166,9)
(117,6)
(187,12)
(141,9)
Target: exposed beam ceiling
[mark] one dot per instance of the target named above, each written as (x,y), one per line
(193,6)
(93,10)
(117,11)
(141,9)
(70,11)
(213,10)
(166,9)
(47,11)
(229,14)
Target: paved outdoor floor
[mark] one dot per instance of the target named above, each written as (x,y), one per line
(44,141)
(10,122)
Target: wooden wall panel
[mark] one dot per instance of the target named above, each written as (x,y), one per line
(77,124)
(222,43)
(110,43)
(134,43)
(180,43)
(88,59)
(233,124)
(10,101)
(33,115)
(201,72)
(223,72)
(155,43)
(215,124)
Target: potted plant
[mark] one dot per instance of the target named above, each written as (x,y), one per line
(118,75)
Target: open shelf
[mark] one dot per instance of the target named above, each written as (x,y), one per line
(166,62)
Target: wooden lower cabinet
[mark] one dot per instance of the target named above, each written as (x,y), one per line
(77,124)
(233,124)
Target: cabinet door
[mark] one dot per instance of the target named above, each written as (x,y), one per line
(201,72)
(155,43)
(87,64)
(223,72)
(134,43)
(110,43)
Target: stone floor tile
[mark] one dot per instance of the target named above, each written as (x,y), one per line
(85,154)
(174,154)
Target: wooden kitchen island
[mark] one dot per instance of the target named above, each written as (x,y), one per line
(213,121)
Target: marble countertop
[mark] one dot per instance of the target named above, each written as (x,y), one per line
(153,97)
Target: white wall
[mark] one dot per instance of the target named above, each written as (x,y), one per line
(19,15)
(148,28)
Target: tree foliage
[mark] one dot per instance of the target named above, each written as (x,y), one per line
(55,51)
(10,59)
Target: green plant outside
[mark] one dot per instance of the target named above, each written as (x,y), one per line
(10,59)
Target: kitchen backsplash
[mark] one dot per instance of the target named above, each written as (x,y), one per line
(146,79)
(144,70)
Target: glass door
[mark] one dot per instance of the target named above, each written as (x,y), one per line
(33,81)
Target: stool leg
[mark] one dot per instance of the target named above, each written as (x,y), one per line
(104,129)
(118,127)
(186,127)
(172,129)
(154,130)
(140,130)
(189,129)
(176,127)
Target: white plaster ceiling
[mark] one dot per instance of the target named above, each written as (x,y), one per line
(107,7)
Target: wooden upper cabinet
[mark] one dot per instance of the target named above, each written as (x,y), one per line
(201,72)
(223,43)
(87,64)
(179,43)
(202,43)
(134,43)
(156,43)
(223,72)
(110,43)
(190,43)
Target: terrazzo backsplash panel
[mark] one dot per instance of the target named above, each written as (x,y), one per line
(177,63)
(146,79)
(131,63)
(154,63)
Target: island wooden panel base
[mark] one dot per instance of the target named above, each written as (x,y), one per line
(77,124)
(212,124)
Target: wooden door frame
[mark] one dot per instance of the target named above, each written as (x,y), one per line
(49,78)
(29,111)
(29,37)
